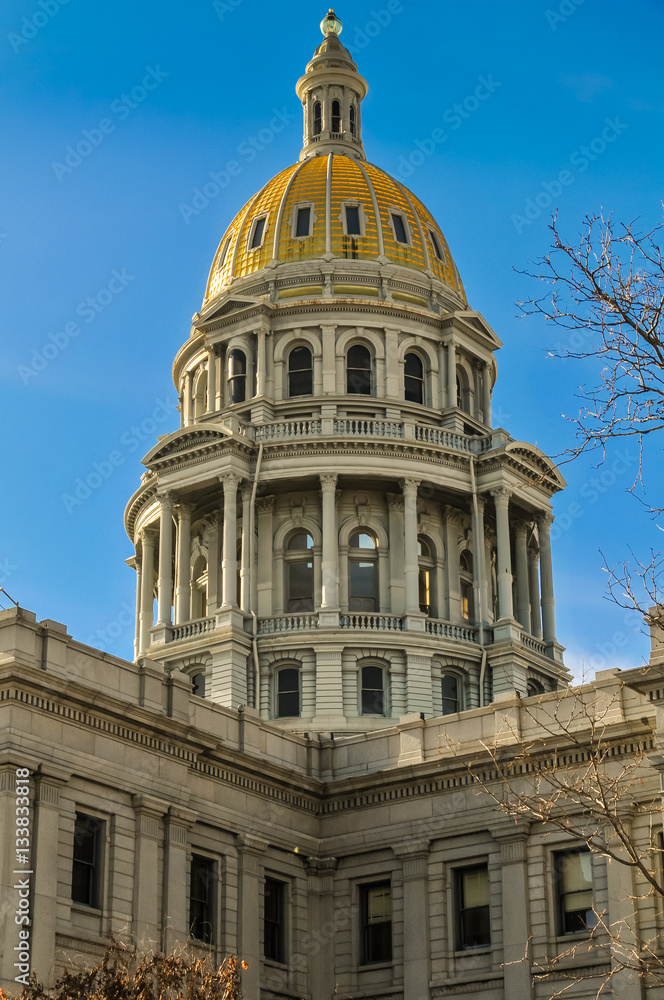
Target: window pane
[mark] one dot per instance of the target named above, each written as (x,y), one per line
(303,218)
(363,582)
(377,923)
(201,898)
(336,116)
(198,685)
(86,860)
(352,119)
(273,926)
(302,540)
(353,220)
(473,911)
(424,581)
(301,586)
(237,363)
(399,228)
(257,236)
(450,685)
(300,374)
(413,366)
(438,250)
(288,692)
(358,365)
(361,540)
(317,118)
(373,695)
(575,892)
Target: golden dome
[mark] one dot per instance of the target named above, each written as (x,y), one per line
(394,226)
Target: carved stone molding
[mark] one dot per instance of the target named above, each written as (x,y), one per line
(328,484)
(395,502)
(230,481)
(265,505)
(410,488)
(501,496)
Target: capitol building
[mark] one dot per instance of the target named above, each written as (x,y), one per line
(344,592)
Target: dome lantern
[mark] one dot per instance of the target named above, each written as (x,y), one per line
(331,92)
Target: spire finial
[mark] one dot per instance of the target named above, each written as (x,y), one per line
(331,24)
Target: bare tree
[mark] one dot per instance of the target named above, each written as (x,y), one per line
(607,292)
(123,975)
(571,765)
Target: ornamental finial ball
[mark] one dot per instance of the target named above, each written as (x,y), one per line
(331,24)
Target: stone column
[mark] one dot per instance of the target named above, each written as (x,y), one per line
(146,919)
(516,916)
(265,507)
(329,690)
(416,935)
(44,856)
(165,579)
(411,567)
(479,562)
(321,913)
(250,896)
(329,360)
(183,585)
(522,580)
(330,554)
(451,375)
(214,561)
(175,902)
(486,394)
(623,917)
(260,362)
(533,586)
(245,563)
(135,564)
(544,523)
(451,515)
(396,553)
(148,542)
(186,399)
(229,559)
(212,380)
(505,605)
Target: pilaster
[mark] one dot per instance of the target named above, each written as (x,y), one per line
(175,915)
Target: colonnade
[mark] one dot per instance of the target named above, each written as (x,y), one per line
(531,571)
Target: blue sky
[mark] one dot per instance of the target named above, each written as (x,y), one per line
(101,267)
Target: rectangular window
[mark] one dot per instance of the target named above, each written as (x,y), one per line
(399,225)
(303,222)
(86,869)
(436,245)
(201,898)
(257,233)
(450,686)
(574,891)
(274,914)
(353,227)
(473,926)
(376,917)
(373,691)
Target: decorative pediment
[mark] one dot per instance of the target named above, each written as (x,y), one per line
(184,442)
(541,465)
(219,310)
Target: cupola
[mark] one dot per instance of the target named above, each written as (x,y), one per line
(331,92)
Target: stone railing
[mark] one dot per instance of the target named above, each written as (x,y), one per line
(448,439)
(435,626)
(191,629)
(287,623)
(530,642)
(288,429)
(382,623)
(359,427)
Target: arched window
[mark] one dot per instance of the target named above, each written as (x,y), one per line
(336,116)
(459,394)
(352,119)
(362,572)
(237,376)
(199,580)
(300,372)
(358,370)
(318,118)
(462,390)
(299,560)
(372,691)
(452,692)
(425,577)
(466,581)
(198,685)
(200,395)
(413,377)
(288,693)
(534,687)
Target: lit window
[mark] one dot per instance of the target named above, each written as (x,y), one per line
(288,693)
(425,574)
(201,898)
(358,370)
(300,573)
(336,117)
(353,227)
(86,869)
(274,914)
(450,691)
(372,693)
(574,891)
(376,917)
(300,372)
(318,118)
(257,233)
(473,928)
(413,379)
(466,585)
(237,376)
(303,221)
(438,250)
(362,572)
(399,226)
